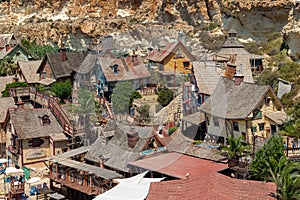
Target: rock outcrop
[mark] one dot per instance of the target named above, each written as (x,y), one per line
(47,21)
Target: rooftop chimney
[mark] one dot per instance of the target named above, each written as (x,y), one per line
(238,79)
(7,47)
(133,137)
(63,53)
(230,70)
(134,57)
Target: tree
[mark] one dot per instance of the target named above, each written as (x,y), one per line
(85,106)
(121,53)
(135,95)
(285,174)
(165,96)
(235,149)
(272,150)
(38,49)
(5,92)
(62,90)
(85,109)
(121,97)
(144,112)
(8,67)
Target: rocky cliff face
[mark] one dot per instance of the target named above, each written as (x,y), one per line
(78,21)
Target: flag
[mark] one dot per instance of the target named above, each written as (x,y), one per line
(26,172)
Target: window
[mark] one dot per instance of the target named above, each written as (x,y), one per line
(261,126)
(253,129)
(9,127)
(115,69)
(186,64)
(268,100)
(235,126)
(257,114)
(35,142)
(45,120)
(44,74)
(244,135)
(216,121)
(207,120)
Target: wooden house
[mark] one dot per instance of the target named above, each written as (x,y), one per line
(118,145)
(250,64)
(17,52)
(104,72)
(6,103)
(27,71)
(172,57)
(32,135)
(7,40)
(238,108)
(89,170)
(59,66)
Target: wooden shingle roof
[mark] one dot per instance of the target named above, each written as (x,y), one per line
(230,101)
(27,123)
(159,55)
(64,68)
(29,69)
(6,103)
(116,151)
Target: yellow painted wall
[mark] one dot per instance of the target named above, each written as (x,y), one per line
(60,146)
(29,150)
(245,125)
(169,64)
(273,107)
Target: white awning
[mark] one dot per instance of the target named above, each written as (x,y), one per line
(134,188)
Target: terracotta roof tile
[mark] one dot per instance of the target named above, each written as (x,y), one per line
(211,187)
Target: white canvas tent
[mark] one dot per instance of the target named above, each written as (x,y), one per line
(134,188)
(12,171)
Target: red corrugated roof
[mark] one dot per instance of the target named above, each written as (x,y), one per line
(211,186)
(178,165)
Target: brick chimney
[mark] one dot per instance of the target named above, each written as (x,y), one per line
(230,70)
(134,58)
(63,53)
(133,137)
(238,79)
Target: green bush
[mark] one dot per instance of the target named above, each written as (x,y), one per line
(135,95)
(38,49)
(62,90)
(165,96)
(172,130)
(5,92)
(273,149)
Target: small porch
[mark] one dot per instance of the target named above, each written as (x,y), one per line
(75,176)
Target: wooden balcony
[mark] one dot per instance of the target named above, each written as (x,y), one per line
(76,184)
(16,188)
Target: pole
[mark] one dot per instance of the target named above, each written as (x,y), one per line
(174,77)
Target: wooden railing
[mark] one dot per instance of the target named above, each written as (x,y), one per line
(109,108)
(49,102)
(16,188)
(292,152)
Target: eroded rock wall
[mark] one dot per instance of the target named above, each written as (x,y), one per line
(58,20)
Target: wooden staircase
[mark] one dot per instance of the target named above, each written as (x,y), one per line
(47,101)
(179,104)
